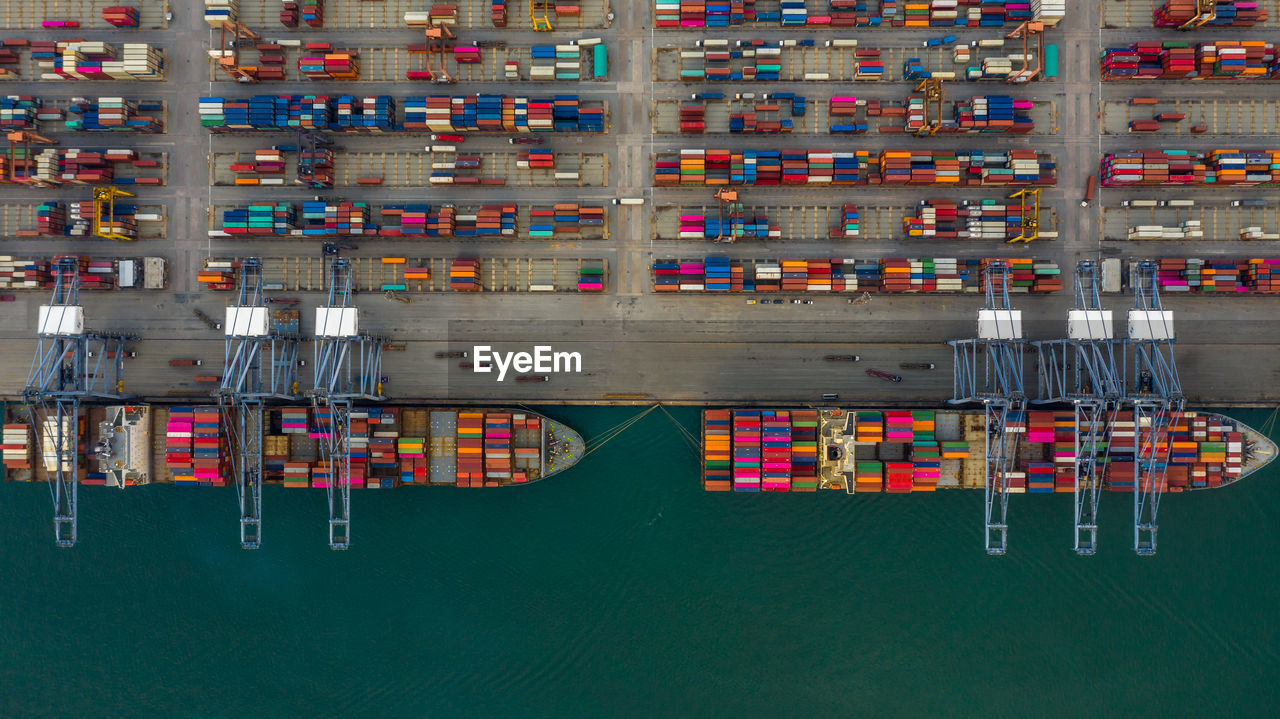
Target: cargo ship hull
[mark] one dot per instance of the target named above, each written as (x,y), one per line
(901,451)
(390,447)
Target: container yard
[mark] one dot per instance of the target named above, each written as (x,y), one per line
(568,125)
(1209,223)
(37,221)
(1217,168)
(489,112)
(1183,60)
(1183,116)
(96,273)
(80,61)
(84,15)
(312,219)
(330,63)
(1257,14)
(65,115)
(395,14)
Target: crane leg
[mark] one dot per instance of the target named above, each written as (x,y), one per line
(249,479)
(338,462)
(997,485)
(64,484)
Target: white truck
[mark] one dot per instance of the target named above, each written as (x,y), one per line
(155,273)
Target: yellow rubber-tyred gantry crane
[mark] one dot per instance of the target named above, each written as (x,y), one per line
(1206,12)
(539,14)
(105,198)
(933,93)
(1030,202)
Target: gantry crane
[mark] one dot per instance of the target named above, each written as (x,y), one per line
(348,366)
(999,349)
(24,138)
(105,197)
(1155,396)
(539,14)
(1026,31)
(1086,370)
(1206,12)
(310,143)
(229,57)
(71,366)
(933,93)
(1029,230)
(439,40)
(727,204)
(260,365)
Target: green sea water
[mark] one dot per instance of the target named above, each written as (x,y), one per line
(622,589)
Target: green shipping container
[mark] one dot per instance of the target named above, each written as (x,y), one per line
(600,63)
(1050,61)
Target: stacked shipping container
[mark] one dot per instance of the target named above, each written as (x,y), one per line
(889,274)
(857,13)
(1184,167)
(1196,451)
(1218,60)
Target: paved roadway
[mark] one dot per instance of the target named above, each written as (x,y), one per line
(637,346)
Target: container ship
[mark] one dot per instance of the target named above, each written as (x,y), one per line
(131,445)
(899,451)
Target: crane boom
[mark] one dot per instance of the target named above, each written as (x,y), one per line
(247,386)
(988,369)
(347,367)
(1155,398)
(71,365)
(1086,370)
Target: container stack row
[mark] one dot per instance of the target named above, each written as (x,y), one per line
(1179,60)
(1224,13)
(107,114)
(747,451)
(195,450)
(1184,167)
(717,449)
(95,166)
(824,167)
(889,274)
(939,14)
(737,226)
(16,446)
(330,218)
(96,61)
(965,220)
(1219,275)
